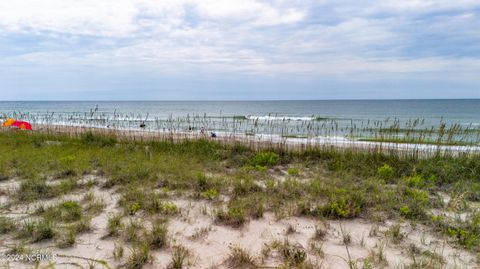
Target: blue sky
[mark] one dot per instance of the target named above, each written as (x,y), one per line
(245,49)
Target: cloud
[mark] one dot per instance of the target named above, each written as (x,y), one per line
(86,17)
(311,39)
(260,14)
(122,17)
(423,6)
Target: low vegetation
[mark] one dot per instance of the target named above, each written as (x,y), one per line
(140,255)
(240,183)
(240,258)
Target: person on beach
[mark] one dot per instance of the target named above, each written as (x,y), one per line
(202,132)
(213,135)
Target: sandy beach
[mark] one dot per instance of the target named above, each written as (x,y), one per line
(125,199)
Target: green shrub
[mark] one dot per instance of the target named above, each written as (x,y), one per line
(385,172)
(234,216)
(416,202)
(416,181)
(169,208)
(343,203)
(405,210)
(464,237)
(210,194)
(67,160)
(134,208)
(293,171)
(336,209)
(417,196)
(264,159)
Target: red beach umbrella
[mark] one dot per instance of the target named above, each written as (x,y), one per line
(22,125)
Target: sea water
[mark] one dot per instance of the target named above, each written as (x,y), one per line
(287,118)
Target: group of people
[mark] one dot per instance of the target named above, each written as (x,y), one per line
(203,132)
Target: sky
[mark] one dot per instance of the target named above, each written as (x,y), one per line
(239,50)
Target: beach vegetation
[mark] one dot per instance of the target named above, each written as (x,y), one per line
(114,224)
(67,211)
(415,181)
(157,237)
(293,255)
(139,256)
(179,256)
(293,171)
(385,172)
(234,216)
(37,230)
(118,251)
(320,233)
(146,174)
(82,226)
(96,140)
(265,159)
(133,231)
(7,225)
(68,238)
(395,233)
(240,258)
(210,194)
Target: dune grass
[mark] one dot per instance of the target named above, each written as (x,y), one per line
(342,184)
(418,141)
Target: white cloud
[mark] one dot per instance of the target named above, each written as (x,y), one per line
(86,17)
(261,14)
(243,36)
(124,17)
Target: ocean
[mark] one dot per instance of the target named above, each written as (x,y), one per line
(287,118)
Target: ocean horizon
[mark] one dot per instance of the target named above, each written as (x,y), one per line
(300,118)
(459,109)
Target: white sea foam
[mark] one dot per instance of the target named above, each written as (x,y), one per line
(280,118)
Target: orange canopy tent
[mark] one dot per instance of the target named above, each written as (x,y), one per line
(22,125)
